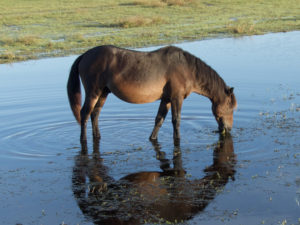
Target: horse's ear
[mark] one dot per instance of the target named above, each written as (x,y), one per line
(233,99)
(229,90)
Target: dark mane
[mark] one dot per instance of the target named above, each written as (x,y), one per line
(209,81)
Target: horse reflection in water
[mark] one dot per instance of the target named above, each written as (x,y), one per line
(149,197)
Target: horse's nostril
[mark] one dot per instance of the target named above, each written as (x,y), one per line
(221,127)
(228,129)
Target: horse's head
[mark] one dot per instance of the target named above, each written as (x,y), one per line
(223,110)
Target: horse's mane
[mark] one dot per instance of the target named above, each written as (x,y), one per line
(209,81)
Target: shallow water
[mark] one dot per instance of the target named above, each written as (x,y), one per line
(250,178)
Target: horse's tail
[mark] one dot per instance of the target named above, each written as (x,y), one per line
(74,92)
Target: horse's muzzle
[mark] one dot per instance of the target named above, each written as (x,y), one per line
(224,129)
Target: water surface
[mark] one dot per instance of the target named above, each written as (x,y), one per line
(249,178)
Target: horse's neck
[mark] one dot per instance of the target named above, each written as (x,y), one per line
(208,83)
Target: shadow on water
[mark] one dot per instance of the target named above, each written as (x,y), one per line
(149,197)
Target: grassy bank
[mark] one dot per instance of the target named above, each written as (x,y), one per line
(37,28)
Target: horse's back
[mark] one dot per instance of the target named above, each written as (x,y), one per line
(136,77)
(95,59)
(133,76)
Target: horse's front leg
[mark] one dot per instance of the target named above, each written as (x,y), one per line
(176,104)
(160,117)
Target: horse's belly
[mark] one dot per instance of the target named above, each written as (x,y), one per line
(137,93)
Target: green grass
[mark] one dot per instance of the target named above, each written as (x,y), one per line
(32,29)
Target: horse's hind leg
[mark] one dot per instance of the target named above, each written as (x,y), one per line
(95,114)
(160,117)
(85,112)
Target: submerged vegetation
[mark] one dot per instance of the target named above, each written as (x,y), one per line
(35,29)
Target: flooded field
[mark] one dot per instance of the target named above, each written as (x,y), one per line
(250,177)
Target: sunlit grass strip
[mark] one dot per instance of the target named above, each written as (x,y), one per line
(61,27)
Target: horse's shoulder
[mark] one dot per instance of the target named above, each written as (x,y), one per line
(171,49)
(174,53)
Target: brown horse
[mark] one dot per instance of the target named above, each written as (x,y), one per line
(169,74)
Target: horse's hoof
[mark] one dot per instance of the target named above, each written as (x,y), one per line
(176,141)
(84,148)
(83,140)
(151,138)
(97,137)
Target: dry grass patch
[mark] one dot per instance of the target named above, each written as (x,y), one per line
(139,21)
(179,2)
(28,40)
(161,3)
(7,56)
(241,28)
(23,40)
(150,3)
